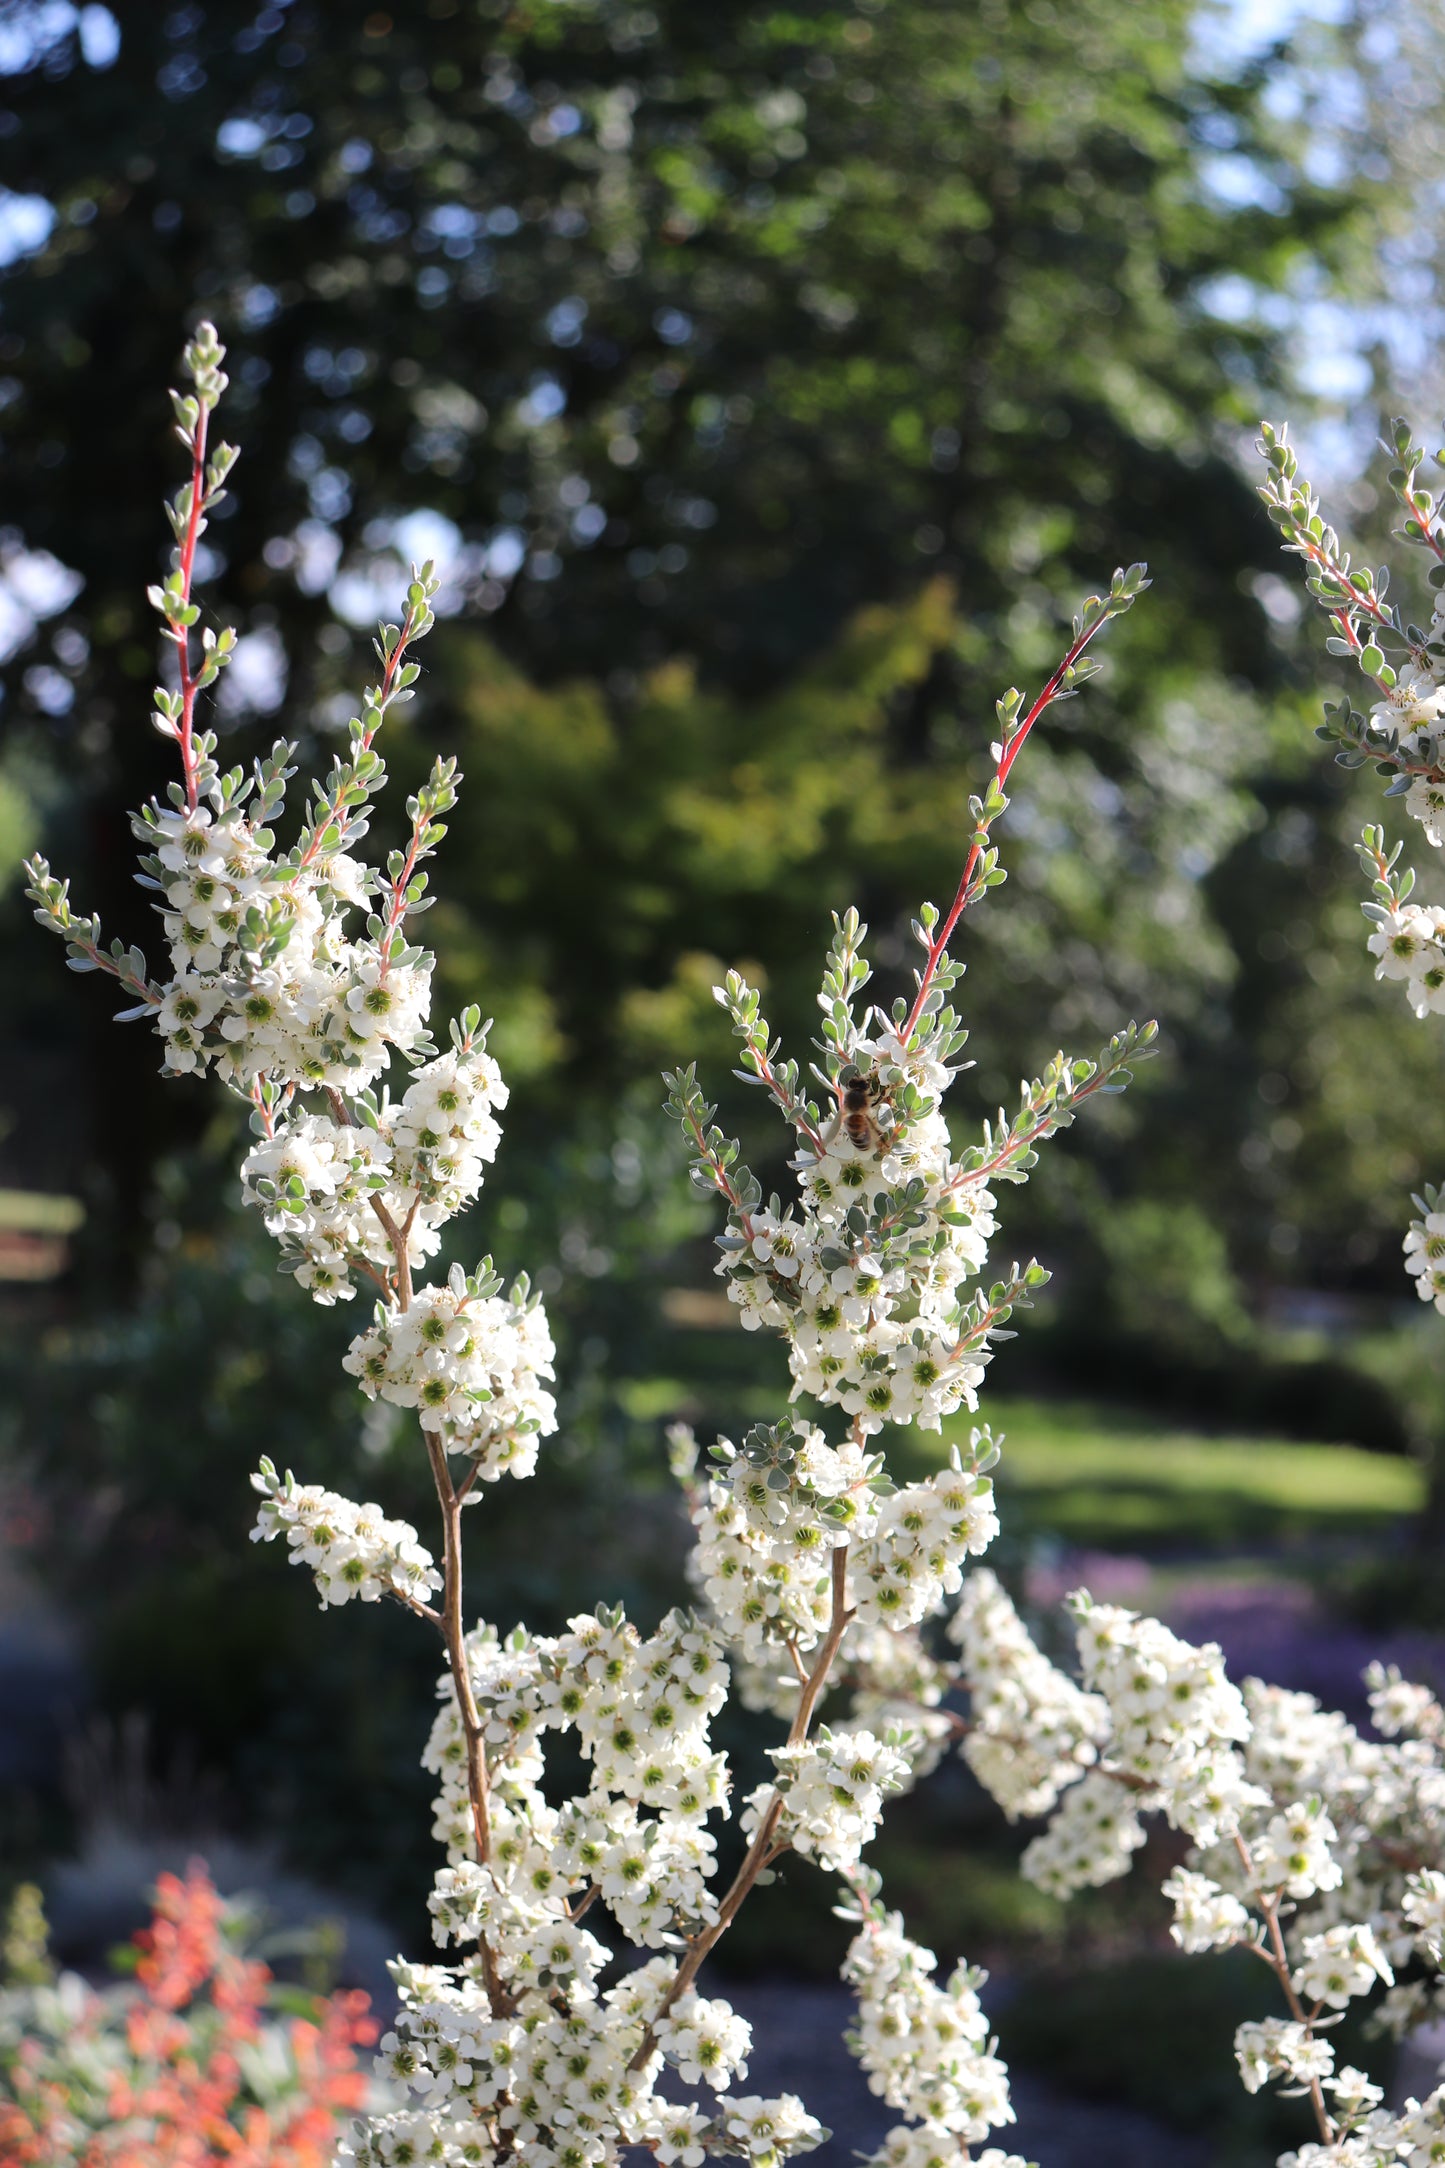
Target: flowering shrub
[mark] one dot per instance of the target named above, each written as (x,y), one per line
(815,1574)
(182,2069)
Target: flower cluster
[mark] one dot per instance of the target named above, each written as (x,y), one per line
(925,2048)
(832,1791)
(1205,1916)
(1398,1706)
(1311,1842)
(333,1192)
(1176,1719)
(1160,1728)
(911,1557)
(1032,1731)
(1409,945)
(1425,1248)
(470,1362)
(640,1711)
(352,1550)
(865,1277)
(1275,2047)
(1091,1839)
(521,2044)
(772,1514)
(264,979)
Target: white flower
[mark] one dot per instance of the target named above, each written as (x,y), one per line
(769,2131)
(1411,705)
(1425,1260)
(1423,1905)
(1205,1916)
(1340,1963)
(707,2041)
(832,1788)
(352,1550)
(1280,2048)
(1422,2130)
(1425,802)
(677,2133)
(1403,943)
(1294,1853)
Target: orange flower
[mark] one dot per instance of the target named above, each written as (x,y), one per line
(174,2094)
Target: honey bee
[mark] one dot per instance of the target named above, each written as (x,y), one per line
(864,1116)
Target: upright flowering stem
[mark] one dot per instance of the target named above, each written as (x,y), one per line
(454,1633)
(451,1621)
(1066,677)
(179,629)
(331,821)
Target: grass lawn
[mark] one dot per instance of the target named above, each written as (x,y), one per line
(1123,1480)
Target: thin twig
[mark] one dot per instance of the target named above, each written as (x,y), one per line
(1279,1965)
(180,634)
(762,1851)
(1009,753)
(454,1634)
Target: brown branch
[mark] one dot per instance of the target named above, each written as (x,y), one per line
(1278,1963)
(422,1610)
(763,1850)
(838,1624)
(454,1634)
(399,1251)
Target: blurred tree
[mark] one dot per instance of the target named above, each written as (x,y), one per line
(682,332)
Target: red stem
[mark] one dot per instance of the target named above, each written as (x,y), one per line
(1024,1140)
(388,679)
(938,946)
(1339,612)
(791,1108)
(180,632)
(397,909)
(1421,521)
(720,1181)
